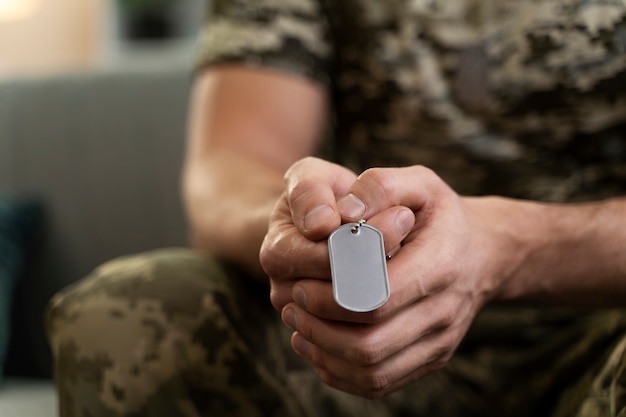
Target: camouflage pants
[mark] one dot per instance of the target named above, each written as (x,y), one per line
(170,333)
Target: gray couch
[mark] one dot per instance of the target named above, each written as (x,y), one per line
(102,153)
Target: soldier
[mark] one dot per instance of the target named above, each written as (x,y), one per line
(497,136)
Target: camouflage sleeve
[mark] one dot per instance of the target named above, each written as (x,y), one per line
(289,35)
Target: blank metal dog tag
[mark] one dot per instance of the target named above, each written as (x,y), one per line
(359,267)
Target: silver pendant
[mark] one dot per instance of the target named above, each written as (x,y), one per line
(359,267)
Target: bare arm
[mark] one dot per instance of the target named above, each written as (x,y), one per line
(560,254)
(246,127)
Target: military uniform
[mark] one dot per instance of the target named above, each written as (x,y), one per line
(522,98)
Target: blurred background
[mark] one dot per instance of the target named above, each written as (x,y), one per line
(43,37)
(93,109)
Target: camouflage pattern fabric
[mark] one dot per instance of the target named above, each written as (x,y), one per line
(522,98)
(167,334)
(171,333)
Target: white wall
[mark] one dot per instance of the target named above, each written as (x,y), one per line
(77,35)
(61,35)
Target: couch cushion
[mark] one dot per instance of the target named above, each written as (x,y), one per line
(18,222)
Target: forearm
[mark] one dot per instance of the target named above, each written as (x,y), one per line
(228,198)
(246,127)
(562,254)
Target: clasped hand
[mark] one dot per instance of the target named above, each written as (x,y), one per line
(438,273)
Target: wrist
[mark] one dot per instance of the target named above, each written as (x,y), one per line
(562,254)
(506,237)
(227,208)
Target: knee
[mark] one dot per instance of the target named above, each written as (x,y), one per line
(133,325)
(144,292)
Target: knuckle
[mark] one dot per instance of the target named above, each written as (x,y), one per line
(269,258)
(448,315)
(366,353)
(425,173)
(275,252)
(379,177)
(446,346)
(376,382)
(428,177)
(439,363)
(279,298)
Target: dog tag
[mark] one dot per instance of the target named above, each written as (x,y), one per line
(358,266)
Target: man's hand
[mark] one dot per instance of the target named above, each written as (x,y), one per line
(439,278)
(295,246)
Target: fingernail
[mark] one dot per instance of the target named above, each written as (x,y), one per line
(289,318)
(351,207)
(300,344)
(405,220)
(318,216)
(299,296)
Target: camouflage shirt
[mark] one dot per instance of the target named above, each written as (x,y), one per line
(523,98)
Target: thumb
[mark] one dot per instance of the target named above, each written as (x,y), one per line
(312,189)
